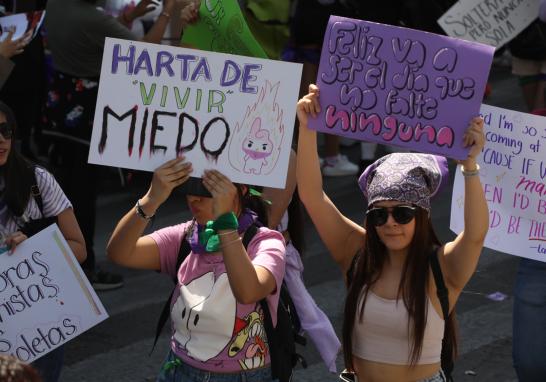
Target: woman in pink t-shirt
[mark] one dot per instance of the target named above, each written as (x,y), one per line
(217,321)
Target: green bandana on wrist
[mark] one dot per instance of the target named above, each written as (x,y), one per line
(209,236)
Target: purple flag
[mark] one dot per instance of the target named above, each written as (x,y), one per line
(400,86)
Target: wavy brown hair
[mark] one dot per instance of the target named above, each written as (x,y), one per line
(366,270)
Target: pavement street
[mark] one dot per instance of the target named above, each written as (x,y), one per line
(118,349)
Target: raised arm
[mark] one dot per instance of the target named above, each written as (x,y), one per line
(180,12)
(127,246)
(460,256)
(280,197)
(156,32)
(341,235)
(250,283)
(72,233)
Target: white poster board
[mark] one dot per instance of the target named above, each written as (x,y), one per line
(513,175)
(21,23)
(231,113)
(45,298)
(490,22)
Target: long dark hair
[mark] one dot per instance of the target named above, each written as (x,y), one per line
(18,172)
(254,203)
(366,270)
(295,223)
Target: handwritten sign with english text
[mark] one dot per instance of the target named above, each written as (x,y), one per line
(230,113)
(399,86)
(513,175)
(45,298)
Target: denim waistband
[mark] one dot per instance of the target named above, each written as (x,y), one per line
(438,377)
(175,370)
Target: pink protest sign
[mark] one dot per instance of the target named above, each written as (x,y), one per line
(400,86)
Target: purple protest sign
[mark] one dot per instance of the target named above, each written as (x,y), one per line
(400,86)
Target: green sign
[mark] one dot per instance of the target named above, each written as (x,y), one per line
(222,28)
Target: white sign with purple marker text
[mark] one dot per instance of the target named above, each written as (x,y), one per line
(45,298)
(513,175)
(226,112)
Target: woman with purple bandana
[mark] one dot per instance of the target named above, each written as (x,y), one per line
(394,323)
(217,320)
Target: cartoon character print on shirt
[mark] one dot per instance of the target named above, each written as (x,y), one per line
(250,331)
(257,147)
(203,316)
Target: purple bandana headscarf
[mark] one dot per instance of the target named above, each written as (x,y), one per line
(405,177)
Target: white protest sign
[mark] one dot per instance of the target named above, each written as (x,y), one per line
(20,23)
(45,298)
(231,113)
(492,22)
(513,175)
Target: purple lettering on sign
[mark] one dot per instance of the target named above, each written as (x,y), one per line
(118,57)
(399,86)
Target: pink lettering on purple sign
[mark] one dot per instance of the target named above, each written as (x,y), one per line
(400,86)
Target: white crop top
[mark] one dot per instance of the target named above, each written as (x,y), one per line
(383,336)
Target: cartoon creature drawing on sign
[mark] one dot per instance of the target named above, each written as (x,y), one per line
(257,147)
(257,140)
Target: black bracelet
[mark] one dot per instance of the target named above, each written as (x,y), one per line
(141,213)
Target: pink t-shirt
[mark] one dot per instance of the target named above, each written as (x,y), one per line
(210,329)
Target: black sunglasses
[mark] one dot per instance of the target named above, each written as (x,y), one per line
(6,130)
(378,216)
(194,186)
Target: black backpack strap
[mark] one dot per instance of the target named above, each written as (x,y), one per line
(351,271)
(183,252)
(281,370)
(443,295)
(268,326)
(441,289)
(249,235)
(36,193)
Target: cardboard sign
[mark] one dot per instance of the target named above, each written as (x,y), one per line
(490,22)
(230,113)
(513,175)
(45,298)
(222,28)
(21,23)
(400,86)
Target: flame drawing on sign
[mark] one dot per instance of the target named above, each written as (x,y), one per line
(257,140)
